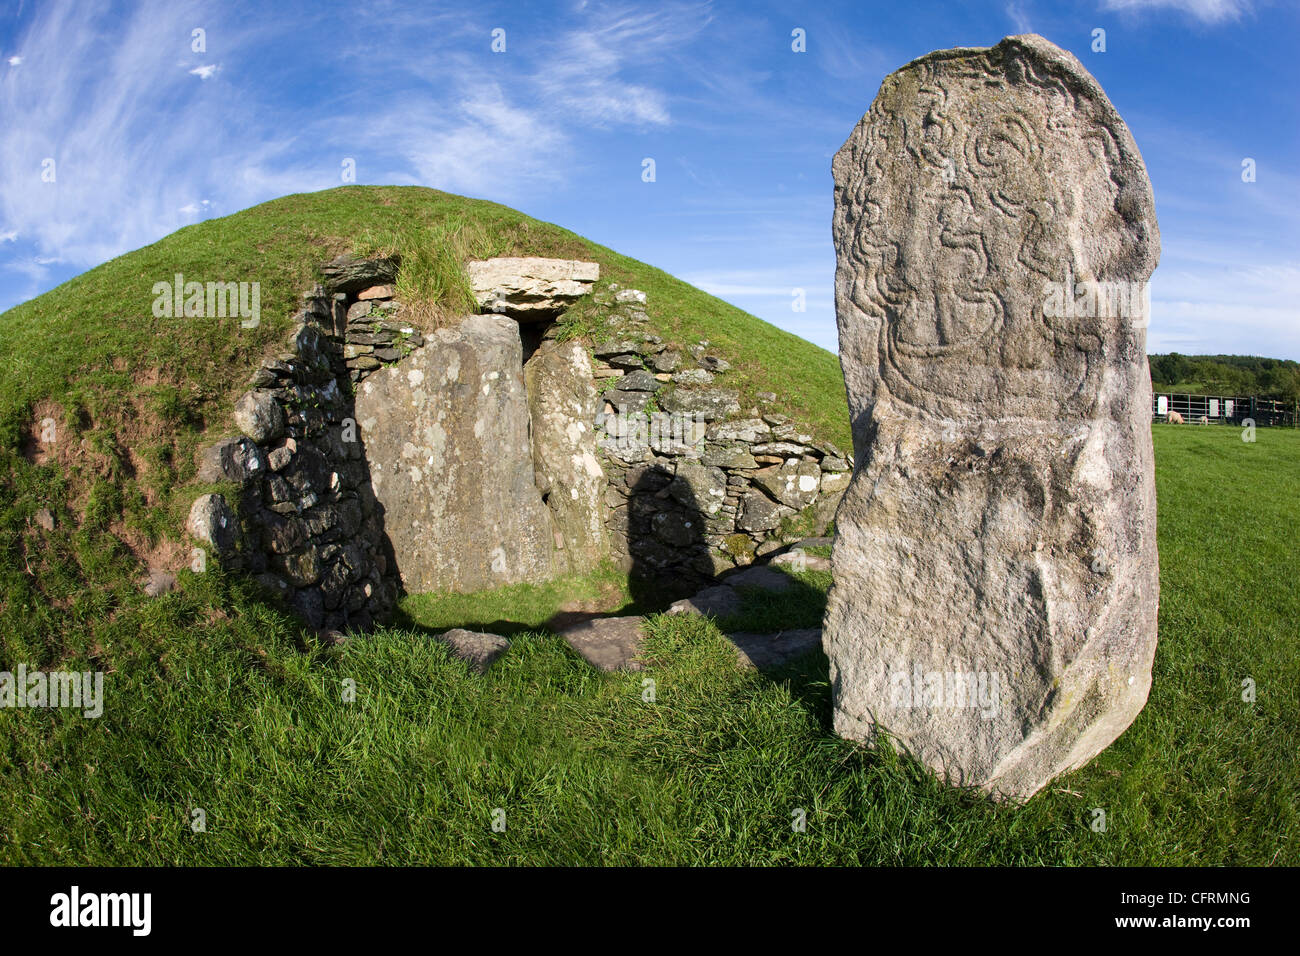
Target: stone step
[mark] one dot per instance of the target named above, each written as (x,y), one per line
(761,577)
(717,601)
(476,648)
(608,643)
(796,559)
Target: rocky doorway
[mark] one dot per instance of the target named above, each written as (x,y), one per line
(532,333)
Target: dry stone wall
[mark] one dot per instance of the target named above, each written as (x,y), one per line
(696,485)
(305,519)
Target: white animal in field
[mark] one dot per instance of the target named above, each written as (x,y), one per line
(1173,418)
(1204,420)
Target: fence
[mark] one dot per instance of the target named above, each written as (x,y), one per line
(1224,410)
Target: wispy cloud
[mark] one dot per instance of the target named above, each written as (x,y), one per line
(583,69)
(133,140)
(33,270)
(1019,18)
(1207,11)
(481,143)
(1229,309)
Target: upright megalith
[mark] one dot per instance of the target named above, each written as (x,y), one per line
(446,433)
(994,605)
(562,408)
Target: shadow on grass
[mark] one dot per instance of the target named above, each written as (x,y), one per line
(546,620)
(808,679)
(801,606)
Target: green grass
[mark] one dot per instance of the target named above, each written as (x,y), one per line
(242,717)
(521,607)
(217,700)
(433,258)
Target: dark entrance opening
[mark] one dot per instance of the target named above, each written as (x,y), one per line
(531,333)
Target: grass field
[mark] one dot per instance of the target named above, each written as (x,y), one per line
(232,712)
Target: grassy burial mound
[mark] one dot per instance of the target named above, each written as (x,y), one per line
(106,403)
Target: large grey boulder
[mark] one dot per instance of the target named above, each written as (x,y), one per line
(530,287)
(446,436)
(994,604)
(213,524)
(231,459)
(562,404)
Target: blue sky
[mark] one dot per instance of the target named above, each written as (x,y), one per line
(148,135)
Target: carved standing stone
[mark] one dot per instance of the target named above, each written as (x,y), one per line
(994,605)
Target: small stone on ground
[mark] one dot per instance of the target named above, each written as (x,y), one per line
(798,559)
(718,601)
(159,582)
(477,649)
(608,643)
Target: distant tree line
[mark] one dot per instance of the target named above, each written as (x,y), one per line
(1226,375)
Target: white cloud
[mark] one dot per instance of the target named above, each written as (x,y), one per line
(34,270)
(1228,309)
(1019,18)
(8,236)
(15,60)
(1207,11)
(581,75)
(136,141)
